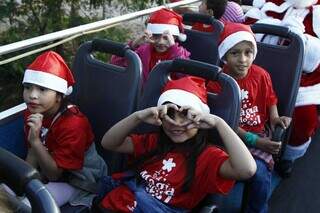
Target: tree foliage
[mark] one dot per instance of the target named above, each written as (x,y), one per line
(30,18)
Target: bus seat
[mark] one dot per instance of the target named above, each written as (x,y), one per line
(22,178)
(104,92)
(203,46)
(225,104)
(12,134)
(285,76)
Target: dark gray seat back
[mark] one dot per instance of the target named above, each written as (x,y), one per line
(284,63)
(104,92)
(203,46)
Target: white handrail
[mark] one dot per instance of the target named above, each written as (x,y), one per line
(83,28)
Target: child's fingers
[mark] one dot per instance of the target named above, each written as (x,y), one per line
(31,124)
(169,120)
(287,121)
(162,111)
(187,108)
(173,106)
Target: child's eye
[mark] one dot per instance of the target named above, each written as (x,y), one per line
(184,113)
(249,52)
(171,113)
(43,89)
(26,86)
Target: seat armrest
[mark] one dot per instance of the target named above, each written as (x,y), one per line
(17,172)
(278,135)
(210,208)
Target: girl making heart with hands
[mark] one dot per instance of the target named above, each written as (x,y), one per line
(176,167)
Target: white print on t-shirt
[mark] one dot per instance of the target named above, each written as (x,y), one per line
(131,208)
(168,165)
(157,184)
(43,134)
(248,113)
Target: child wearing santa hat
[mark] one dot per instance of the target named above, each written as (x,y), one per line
(175,168)
(158,42)
(303,18)
(59,137)
(223,10)
(237,49)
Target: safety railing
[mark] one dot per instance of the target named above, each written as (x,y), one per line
(70,34)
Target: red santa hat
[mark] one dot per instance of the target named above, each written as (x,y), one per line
(234,33)
(166,20)
(50,71)
(187,91)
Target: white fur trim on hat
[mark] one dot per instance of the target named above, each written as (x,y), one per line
(301,3)
(46,80)
(311,58)
(235,38)
(316,19)
(309,95)
(160,28)
(183,98)
(258,3)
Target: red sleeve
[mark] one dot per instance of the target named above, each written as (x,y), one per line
(73,137)
(143,143)
(216,184)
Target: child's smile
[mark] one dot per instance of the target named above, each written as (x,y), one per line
(177,130)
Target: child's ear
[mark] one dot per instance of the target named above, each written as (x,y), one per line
(211,12)
(60,97)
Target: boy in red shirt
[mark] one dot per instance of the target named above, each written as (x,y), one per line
(237,49)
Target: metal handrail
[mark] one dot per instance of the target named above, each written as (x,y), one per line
(72,33)
(86,27)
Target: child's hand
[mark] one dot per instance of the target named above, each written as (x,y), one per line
(283,121)
(145,38)
(197,119)
(265,144)
(34,121)
(154,115)
(169,37)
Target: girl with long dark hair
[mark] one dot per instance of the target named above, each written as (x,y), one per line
(175,168)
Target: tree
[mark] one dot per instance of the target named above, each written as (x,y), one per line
(29,18)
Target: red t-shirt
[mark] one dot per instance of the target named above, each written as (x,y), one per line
(157,57)
(68,139)
(165,177)
(257,95)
